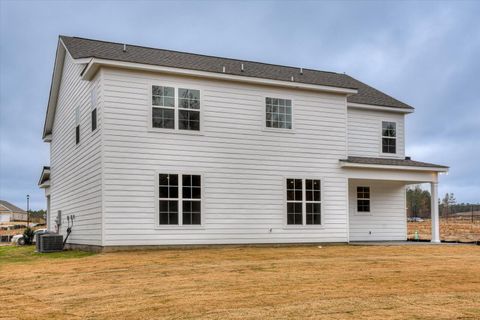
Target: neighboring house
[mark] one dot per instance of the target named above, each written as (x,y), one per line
(11,213)
(157,147)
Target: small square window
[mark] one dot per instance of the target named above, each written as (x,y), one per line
(278,113)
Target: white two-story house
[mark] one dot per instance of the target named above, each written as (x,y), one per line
(152,147)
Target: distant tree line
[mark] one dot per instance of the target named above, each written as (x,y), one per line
(38,216)
(419,204)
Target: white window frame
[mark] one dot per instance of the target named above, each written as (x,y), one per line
(387,154)
(180,200)
(304,224)
(175,86)
(367,213)
(264,111)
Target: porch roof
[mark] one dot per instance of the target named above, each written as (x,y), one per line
(386,163)
(44,180)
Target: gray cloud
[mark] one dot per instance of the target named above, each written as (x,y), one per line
(424,53)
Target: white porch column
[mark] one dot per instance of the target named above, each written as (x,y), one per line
(434,213)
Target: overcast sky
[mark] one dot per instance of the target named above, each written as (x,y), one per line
(426,54)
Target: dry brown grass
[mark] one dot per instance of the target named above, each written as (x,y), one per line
(451,229)
(332,282)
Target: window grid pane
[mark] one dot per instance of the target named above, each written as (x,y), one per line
(188,99)
(313,201)
(189,120)
(163,96)
(170,199)
(278,113)
(163,118)
(294,201)
(389,137)
(363,199)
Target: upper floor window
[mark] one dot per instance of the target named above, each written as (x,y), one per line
(389,137)
(304,202)
(93,104)
(363,199)
(163,107)
(175,108)
(77,125)
(188,109)
(180,198)
(278,113)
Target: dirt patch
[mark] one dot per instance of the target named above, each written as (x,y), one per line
(332,282)
(451,229)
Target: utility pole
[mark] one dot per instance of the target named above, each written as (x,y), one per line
(28,210)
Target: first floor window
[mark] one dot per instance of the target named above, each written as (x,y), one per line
(303,202)
(180,199)
(363,199)
(389,137)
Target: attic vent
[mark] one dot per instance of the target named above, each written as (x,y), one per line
(124,48)
(242,68)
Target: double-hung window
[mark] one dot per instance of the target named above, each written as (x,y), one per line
(278,113)
(363,199)
(180,199)
(389,137)
(163,107)
(304,202)
(175,108)
(188,109)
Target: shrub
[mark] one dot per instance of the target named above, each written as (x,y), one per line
(28,235)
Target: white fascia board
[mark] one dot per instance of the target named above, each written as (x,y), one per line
(345,164)
(54,89)
(95,64)
(379,108)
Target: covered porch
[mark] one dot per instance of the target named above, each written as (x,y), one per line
(377,196)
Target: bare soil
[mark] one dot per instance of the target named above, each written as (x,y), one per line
(451,229)
(302,282)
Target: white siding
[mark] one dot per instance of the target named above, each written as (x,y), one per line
(387,219)
(243,166)
(365,132)
(76,169)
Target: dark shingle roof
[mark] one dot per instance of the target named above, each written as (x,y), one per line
(87,48)
(11,207)
(392,162)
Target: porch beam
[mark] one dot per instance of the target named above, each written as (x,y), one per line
(434,213)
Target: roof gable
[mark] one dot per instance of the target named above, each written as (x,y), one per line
(11,207)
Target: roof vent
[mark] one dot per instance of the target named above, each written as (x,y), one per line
(301,70)
(408,158)
(124,48)
(242,68)
(224,69)
(292,79)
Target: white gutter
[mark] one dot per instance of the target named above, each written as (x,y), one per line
(95,64)
(379,108)
(345,164)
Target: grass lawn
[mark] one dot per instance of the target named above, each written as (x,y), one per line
(332,282)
